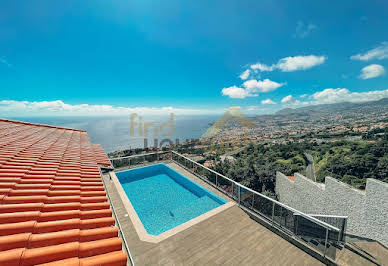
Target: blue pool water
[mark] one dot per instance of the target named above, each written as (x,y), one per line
(163,198)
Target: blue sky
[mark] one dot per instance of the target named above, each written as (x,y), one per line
(96,56)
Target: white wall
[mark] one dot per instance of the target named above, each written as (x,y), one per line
(367,211)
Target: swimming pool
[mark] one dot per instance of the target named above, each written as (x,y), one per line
(164,198)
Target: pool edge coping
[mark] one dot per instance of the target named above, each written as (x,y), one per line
(138,225)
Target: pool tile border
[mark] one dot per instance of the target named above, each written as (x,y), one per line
(142,233)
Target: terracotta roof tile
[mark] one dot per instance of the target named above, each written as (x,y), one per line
(53,205)
(100,155)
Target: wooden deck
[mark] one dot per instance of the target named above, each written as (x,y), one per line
(228,238)
(377,254)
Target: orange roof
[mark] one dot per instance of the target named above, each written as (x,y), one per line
(53,205)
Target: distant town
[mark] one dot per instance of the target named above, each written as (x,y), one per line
(289,137)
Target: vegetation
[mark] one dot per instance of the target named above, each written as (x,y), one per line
(351,162)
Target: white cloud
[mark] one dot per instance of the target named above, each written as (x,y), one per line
(290,100)
(251,88)
(267,101)
(263,67)
(303,30)
(338,95)
(265,85)
(380,52)
(57,108)
(372,71)
(304,96)
(238,93)
(245,74)
(292,63)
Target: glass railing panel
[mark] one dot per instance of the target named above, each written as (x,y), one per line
(119,163)
(246,198)
(210,176)
(336,221)
(307,228)
(277,214)
(150,158)
(115,163)
(225,185)
(284,217)
(334,235)
(165,156)
(263,206)
(190,165)
(235,191)
(137,160)
(184,161)
(181,160)
(332,244)
(200,171)
(289,219)
(315,235)
(195,169)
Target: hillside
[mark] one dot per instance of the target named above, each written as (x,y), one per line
(336,107)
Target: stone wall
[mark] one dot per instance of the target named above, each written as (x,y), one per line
(367,210)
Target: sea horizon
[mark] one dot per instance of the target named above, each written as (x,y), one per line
(113,132)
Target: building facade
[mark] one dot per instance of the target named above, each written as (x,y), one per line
(367,210)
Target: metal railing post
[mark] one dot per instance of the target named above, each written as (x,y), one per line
(216,180)
(344,230)
(327,235)
(340,233)
(253,199)
(273,212)
(239,195)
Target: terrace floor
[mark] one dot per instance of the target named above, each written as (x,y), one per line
(230,237)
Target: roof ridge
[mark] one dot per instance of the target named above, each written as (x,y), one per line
(38,124)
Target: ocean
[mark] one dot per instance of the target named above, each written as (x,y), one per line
(114,133)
